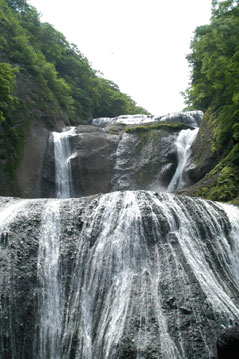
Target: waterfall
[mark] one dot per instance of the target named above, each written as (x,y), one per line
(49,295)
(102,295)
(125,274)
(128,274)
(62,152)
(50,305)
(191,118)
(183,145)
(123,164)
(124,119)
(135,263)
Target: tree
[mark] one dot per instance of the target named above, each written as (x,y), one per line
(223,7)
(214,62)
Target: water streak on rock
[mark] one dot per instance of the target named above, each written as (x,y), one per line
(63,152)
(49,295)
(183,144)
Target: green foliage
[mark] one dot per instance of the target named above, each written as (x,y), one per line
(58,86)
(223,180)
(215,68)
(57,66)
(43,77)
(7,84)
(223,7)
(18,5)
(214,88)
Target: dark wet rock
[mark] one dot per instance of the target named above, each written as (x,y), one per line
(29,171)
(107,159)
(186,310)
(228,344)
(18,285)
(171,302)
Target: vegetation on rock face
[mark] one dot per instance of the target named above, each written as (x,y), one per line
(214,89)
(45,78)
(7,84)
(157,126)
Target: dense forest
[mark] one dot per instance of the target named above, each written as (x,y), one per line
(61,71)
(214,89)
(44,77)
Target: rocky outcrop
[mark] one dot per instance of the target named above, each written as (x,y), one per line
(203,150)
(145,160)
(109,159)
(29,172)
(215,170)
(93,160)
(228,343)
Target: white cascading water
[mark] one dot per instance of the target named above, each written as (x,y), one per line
(125,119)
(128,271)
(62,153)
(122,179)
(49,296)
(140,274)
(119,258)
(183,145)
(50,305)
(198,255)
(191,118)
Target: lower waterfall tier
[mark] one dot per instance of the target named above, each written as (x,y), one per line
(129,274)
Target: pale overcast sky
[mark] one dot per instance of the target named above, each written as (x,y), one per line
(139,44)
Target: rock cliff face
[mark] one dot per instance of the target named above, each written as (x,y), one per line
(215,170)
(102,161)
(116,155)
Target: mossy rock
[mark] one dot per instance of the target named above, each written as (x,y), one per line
(222,182)
(167,126)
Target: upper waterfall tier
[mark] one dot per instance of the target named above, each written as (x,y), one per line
(125,119)
(190,118)
(88,159)
(115,276)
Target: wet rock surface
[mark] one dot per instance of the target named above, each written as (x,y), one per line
(128,275)
(18,279)
(109,159)
(191,118)
(228,343)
